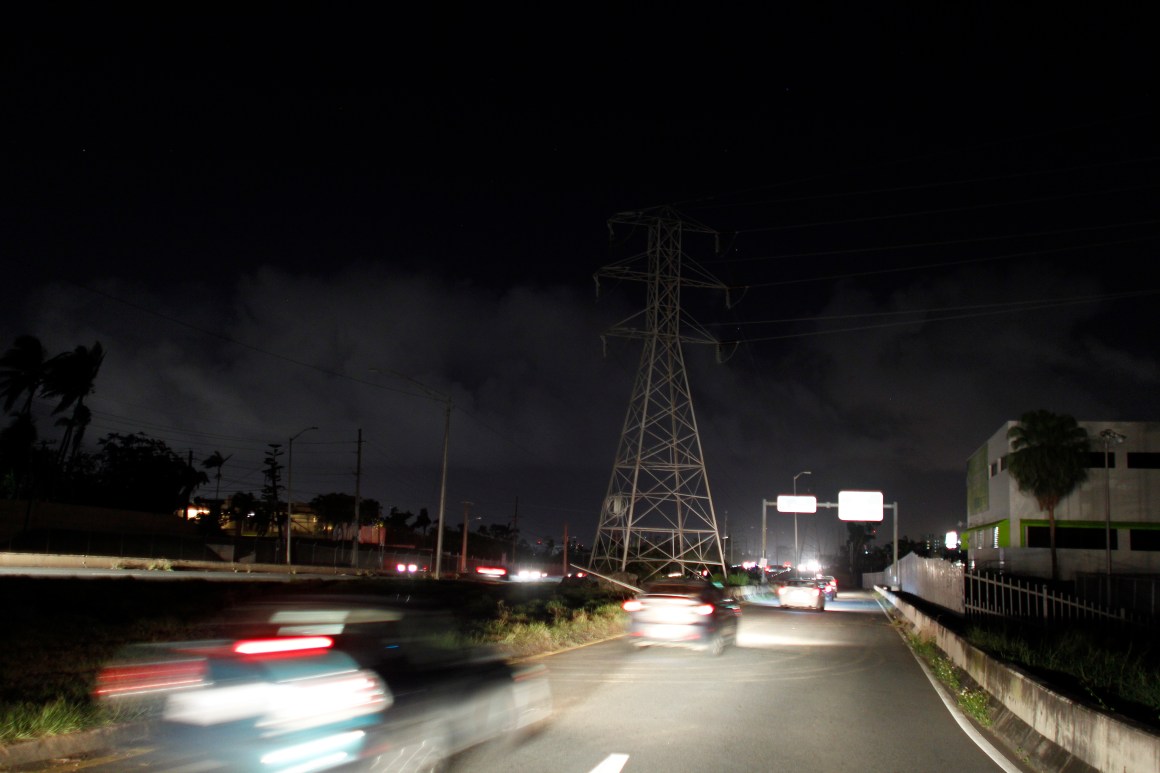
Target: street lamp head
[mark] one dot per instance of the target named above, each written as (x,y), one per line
(1111,436)
(300,432)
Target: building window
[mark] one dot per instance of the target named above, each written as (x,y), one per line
(1095,460)
(1143,460)
(993,469)
(1145,539)
(1003,462)
(995,537)
(1074,538)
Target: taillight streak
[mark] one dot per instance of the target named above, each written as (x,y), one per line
(282,645)
(149,677)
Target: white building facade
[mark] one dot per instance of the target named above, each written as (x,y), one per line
(1112,518)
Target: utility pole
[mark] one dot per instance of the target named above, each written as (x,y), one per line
(515,530)
(463,551)
(564,570)
(357,502)
(188,491)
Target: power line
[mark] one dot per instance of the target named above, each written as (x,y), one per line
(942,243)
(1029,307)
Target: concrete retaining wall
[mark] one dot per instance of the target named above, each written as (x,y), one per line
(1104,742)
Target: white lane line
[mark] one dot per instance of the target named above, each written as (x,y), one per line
(613,763)
(984,745)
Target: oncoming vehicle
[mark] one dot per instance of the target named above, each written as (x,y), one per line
(683,613)
(801,593)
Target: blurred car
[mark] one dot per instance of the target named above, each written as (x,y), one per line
(254,704)
(683,613)
(443,697)
(801,593)
(828,585)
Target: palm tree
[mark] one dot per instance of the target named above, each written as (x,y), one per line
(1048,460)
(71,377)
(216,461)
(22,373)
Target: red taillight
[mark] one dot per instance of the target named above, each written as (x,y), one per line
(491,571)
(149,677)
(282,644)
(703,609)
(633,605)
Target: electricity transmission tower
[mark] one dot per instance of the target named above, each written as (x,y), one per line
(658,510)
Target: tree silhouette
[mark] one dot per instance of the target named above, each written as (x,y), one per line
(1048,460)
(71,377)
(23,369)
(22,374)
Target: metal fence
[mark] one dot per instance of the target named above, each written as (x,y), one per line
(1139,594)
(975,594)
(1027,600)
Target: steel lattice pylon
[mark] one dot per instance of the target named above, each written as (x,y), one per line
(658,510)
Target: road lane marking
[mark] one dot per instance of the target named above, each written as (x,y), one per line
(956,713)
(613,763)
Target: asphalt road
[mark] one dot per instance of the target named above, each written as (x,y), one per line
(803,691)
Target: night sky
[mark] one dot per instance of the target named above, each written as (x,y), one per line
(931,222)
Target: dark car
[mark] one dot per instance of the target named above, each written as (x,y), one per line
(683,613)
(291,703)
(447,696)
(801,593)
(828,585)
(442,697)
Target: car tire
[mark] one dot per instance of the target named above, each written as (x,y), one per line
(716,645)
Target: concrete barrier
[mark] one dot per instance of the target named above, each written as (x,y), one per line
(1097,740)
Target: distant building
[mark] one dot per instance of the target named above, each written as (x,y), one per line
(1007,531)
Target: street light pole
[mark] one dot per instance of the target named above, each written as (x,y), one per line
(289,487)
(443,489)
(1109,437)
(797,555)
(435,394)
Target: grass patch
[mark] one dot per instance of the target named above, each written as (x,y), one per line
(972,700)
(523,635)
(25,721)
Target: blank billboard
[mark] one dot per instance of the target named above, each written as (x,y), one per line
(860,505)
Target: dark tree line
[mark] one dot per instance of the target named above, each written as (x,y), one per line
(131,472)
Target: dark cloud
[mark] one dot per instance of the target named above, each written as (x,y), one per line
(929,226)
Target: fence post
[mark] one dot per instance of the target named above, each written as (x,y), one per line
(1046,614)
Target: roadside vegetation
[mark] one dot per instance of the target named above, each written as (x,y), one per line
(1110,668)
(57,634)
(1113,669)
(972,700)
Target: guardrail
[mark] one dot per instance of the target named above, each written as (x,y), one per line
(1009,597)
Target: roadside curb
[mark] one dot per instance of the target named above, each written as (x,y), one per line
(1054,732)
(67,745)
